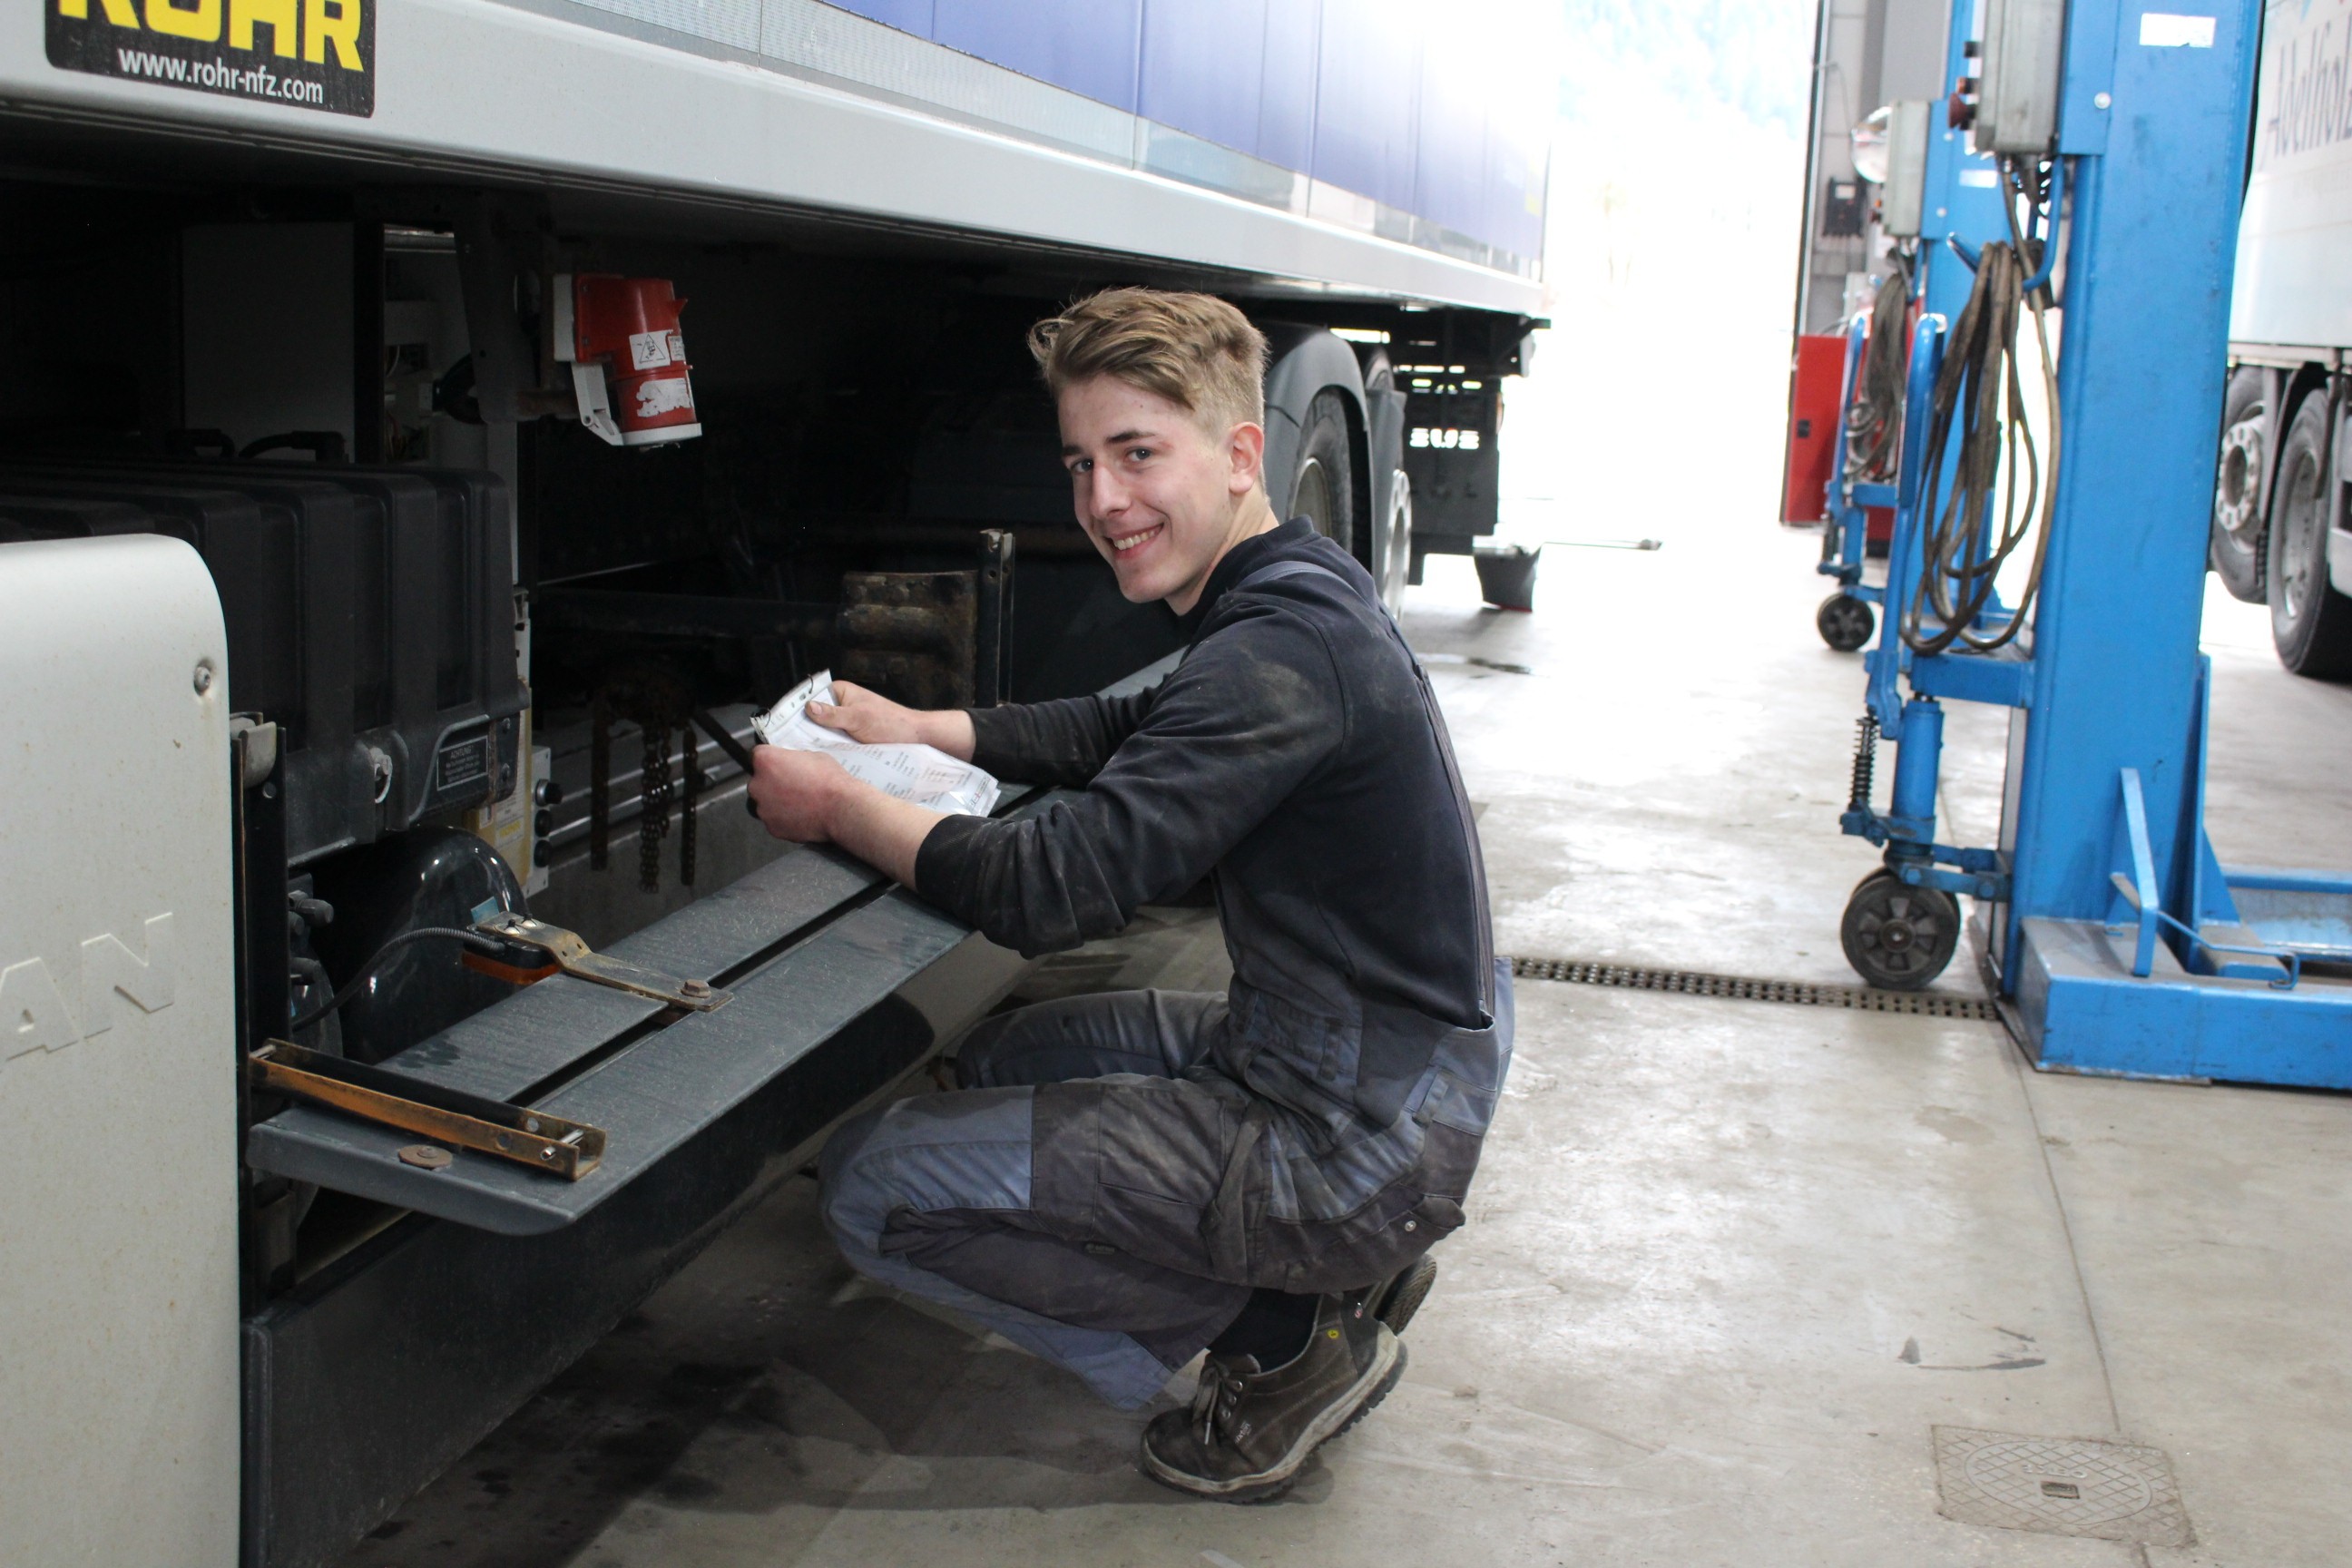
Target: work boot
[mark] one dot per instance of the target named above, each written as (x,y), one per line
(1250,1429)
(1396,1299)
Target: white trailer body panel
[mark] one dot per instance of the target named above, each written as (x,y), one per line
(2294,241)
(808,122)
(119,1375)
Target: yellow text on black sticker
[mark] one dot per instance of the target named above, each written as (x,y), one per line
(299,54)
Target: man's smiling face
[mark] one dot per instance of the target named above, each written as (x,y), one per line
(1161,496)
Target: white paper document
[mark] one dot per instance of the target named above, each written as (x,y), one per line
(920,775)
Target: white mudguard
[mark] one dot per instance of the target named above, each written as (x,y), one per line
(117,1061)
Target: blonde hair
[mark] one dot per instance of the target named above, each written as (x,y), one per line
(1195,350)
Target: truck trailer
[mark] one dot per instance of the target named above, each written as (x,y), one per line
(439,429)
(2279,532)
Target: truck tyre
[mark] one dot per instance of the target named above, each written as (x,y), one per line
(2311,623)
(2240,519)
(1325,489)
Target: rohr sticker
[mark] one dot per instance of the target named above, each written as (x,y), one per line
(305,54)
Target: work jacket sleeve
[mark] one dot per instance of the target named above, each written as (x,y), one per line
(1063,742)
(1230,735)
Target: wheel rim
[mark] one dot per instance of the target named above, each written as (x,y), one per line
(2242,468)
(1398,565)
(1311,497)
(1902,932)
(2299,515)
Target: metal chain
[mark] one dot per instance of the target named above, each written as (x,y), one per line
(690,759)
(657,699)
(653,823)
(600,783)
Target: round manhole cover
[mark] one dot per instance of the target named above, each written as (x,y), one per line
(2070,1485)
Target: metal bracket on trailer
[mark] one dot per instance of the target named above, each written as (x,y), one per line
(532,1138)
(563,950)
(828,956)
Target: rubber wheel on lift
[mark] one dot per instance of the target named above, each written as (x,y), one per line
(1845,622)
(2311,623)
(2240,519)
(1896,936)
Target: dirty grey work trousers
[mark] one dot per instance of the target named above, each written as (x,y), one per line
(1071,1196)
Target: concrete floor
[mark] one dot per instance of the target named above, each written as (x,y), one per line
(1730,1262)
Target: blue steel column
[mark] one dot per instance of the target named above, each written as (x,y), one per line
(2146,297)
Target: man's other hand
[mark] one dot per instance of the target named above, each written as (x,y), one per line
(874,719)
(796,792)
(868,716)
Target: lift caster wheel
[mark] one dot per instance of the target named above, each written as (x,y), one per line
(1844,622)
(1896,936)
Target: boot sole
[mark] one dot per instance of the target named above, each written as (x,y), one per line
(1411,1291)
(1271,1483)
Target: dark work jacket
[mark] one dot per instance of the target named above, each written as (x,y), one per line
(1294,756)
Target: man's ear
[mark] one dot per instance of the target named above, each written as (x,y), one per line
(1246,458)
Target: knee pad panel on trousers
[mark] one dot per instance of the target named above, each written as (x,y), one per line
(966,1150)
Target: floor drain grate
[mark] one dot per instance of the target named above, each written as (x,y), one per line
(1797,993)
(2059,1485)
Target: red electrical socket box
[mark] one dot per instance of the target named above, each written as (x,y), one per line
(627,356)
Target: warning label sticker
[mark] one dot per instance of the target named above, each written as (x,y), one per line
(305,54)
(648,351)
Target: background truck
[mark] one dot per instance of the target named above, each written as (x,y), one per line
(2279,524)
(436,426)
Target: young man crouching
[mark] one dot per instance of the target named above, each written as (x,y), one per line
(1127,1180)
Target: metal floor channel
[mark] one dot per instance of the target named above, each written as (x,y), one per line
(1741,988)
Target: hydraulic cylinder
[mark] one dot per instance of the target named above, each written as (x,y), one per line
(1911,820)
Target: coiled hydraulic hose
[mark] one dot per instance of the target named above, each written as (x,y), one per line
(1873,420)
(1964,546)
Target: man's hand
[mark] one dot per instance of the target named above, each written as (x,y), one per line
(796,792)
(806,796)
(872,719)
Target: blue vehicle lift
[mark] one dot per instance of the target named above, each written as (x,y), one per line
(2118,944)
(1962,203)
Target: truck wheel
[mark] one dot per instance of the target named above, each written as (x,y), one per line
(1325,490)
(2311,623)
(2240,518)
